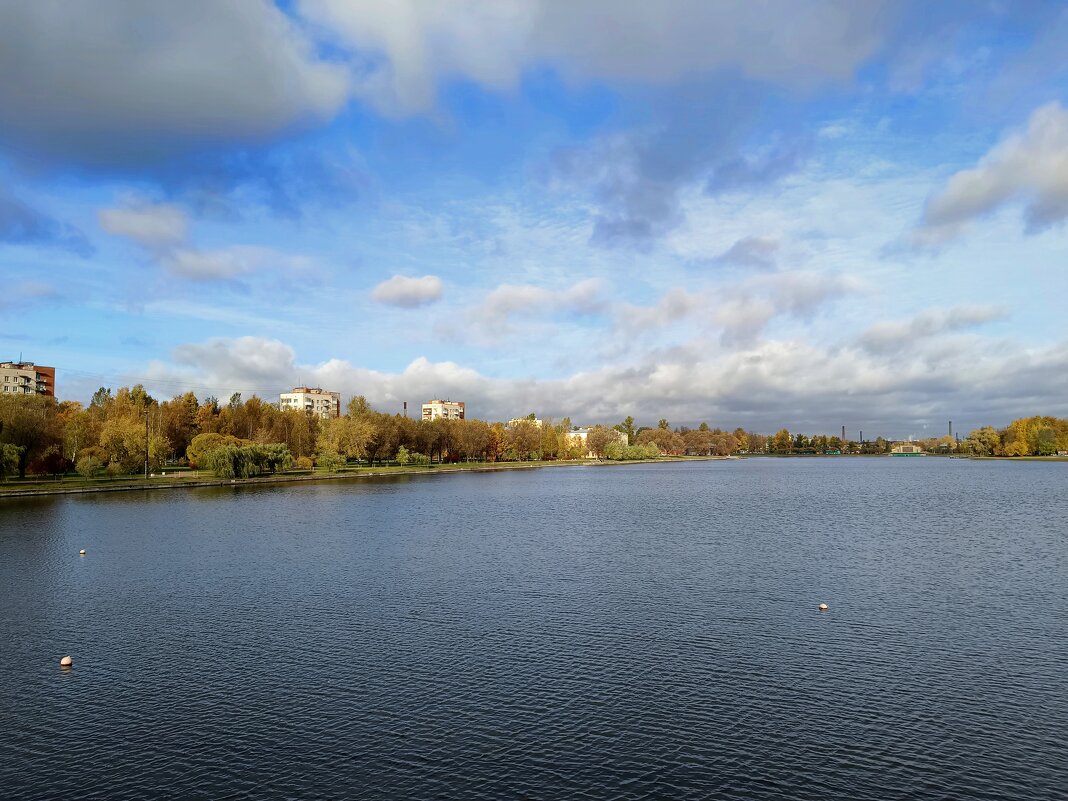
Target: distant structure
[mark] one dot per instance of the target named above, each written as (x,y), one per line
(516,420)
(450,410)
(906,449)
(580,436)
(27,378)
(313,400)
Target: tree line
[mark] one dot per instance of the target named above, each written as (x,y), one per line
(116,433)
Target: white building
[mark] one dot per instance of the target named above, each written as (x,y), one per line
(579,436)
(27,378)
(450,410)
(516,420)
(313,400)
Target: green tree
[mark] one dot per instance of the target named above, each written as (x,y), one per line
(330,461)
(10,459)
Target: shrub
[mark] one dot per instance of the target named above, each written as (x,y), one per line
(89,466)
(330,461)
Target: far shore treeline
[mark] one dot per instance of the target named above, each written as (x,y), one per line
(240,438)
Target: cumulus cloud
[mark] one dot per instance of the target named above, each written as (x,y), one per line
(763,387)
(891,335)
(21,224)
(147,224)
(408,48)
(408,293)
(115,82)
(1028,166)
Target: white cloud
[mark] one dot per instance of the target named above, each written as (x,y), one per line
(147,224)
(892,335)
(81,79)
(1028,166)
(162,230)
(510,301)
(409,48)
(226,263)
(408,293)
(740,311)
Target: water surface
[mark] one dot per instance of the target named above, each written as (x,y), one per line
(645,631)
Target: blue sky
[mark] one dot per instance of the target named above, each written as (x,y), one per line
(758,214)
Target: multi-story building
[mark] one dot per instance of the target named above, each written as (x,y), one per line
(313,400)
(450,410)
(27,378)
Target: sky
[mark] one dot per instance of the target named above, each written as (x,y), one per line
(759,214)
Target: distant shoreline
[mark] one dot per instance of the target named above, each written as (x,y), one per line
(167,483)
(161,483)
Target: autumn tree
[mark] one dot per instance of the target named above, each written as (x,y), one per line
(522,440)
(31,423)
(598,438)
(782,442)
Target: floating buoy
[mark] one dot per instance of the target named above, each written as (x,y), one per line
(823,607)
(66,662)
(81,552)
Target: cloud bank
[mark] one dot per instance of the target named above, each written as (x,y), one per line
(764,386)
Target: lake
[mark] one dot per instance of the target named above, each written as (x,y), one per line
(624,632)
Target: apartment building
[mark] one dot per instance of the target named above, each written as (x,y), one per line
(450,410)
(313,400)
(27,378)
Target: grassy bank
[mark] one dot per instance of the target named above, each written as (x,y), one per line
(185,479)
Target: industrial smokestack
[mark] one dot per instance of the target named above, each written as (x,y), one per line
(951,429)
(406,408)
(843,434)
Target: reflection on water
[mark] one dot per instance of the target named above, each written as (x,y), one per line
(624,632)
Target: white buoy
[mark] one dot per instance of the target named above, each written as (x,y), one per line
(66,662)
(81,552)
(823,607)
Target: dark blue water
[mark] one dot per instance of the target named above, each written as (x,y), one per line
(578,633)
